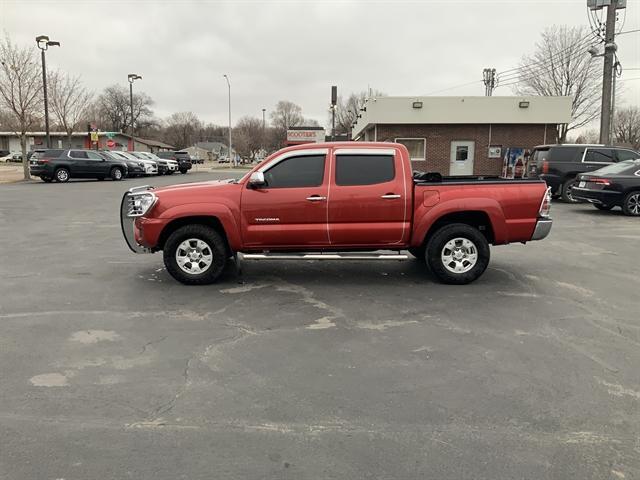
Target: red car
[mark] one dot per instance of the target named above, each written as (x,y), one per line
(348,200)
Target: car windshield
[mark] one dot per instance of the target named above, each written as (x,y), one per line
(628,166)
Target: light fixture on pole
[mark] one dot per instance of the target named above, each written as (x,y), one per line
(132,77)
(231,162)
(44,43)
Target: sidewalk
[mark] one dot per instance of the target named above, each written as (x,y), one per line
(11,172)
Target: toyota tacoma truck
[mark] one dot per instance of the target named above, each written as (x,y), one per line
(333,201)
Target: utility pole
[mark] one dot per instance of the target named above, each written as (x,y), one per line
(334,101)
(607,72)
(489,78)
(264,140)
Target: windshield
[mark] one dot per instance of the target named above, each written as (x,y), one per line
(628,166)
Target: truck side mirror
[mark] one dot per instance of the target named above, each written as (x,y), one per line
(256,180)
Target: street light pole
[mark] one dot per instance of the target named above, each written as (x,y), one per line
(264,140)
(44,43)
(231,163)
(132,77)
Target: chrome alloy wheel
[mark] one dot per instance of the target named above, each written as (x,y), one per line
(633,204)
(459,255)
(194,256)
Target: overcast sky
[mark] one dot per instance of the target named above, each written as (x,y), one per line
(295,50)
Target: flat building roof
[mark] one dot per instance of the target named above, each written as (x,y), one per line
(462,110)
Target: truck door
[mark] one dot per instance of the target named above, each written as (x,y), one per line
(369,199)
(290,210)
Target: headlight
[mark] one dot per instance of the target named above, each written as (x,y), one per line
(140,164)
(139,203)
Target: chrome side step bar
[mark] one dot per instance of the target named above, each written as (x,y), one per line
(324,256)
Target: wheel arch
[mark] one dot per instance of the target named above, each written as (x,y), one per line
(474,218)
(206,220)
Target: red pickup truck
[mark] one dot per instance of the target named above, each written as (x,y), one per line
(343,200)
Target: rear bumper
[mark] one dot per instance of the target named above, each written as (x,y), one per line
(599,197)
(543,227)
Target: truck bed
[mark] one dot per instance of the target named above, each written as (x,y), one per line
(421,178)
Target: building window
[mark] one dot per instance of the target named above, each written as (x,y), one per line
(416,146)
(462,153)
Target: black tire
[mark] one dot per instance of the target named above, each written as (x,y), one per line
(418,252)
(631,204)
(213,241)
(567,188)
(116,174)
(61,175)
(183,170)
(436,249)
(169,172)
(46,179)
(601,206)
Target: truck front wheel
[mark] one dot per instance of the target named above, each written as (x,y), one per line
(195,255)
(457,253)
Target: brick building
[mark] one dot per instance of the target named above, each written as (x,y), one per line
(462,135)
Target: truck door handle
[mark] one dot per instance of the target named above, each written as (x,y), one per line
(316,198)
(390,196)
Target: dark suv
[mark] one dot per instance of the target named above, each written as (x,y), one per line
(61,165)
(559,165)
(183,159)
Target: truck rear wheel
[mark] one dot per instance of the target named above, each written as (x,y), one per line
(195,255)
(458,254)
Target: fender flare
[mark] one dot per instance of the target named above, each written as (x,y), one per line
(489,206)
(209,209)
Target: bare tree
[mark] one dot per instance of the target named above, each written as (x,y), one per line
(560,66)
(588,136)
(181,129)
(247,136)
(114,110)
(20,92)
(347,111)
(285,115)
(627,127)
(69,101)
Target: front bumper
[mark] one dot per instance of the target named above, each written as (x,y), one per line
(599,197)
(150,170)
(543,227)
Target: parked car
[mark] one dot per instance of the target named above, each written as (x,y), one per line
(135,168)
(150,167)
(183,159)
(61,165)
(5,156)
(283,206)
(165,166)
(559,165)
(616,185)
(16,157)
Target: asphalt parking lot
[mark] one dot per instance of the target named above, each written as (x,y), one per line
(110,369)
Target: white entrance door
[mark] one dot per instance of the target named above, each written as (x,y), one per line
(461,160)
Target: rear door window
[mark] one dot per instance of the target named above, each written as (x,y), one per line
(78,154)
(364,169)
(565,154)
(600,155)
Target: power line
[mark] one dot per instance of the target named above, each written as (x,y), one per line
(580,41)
(454,87)
(542,67)
(629,31)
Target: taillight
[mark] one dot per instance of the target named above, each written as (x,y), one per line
(599,181)
(545,206)
(545,166)
(43,160)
